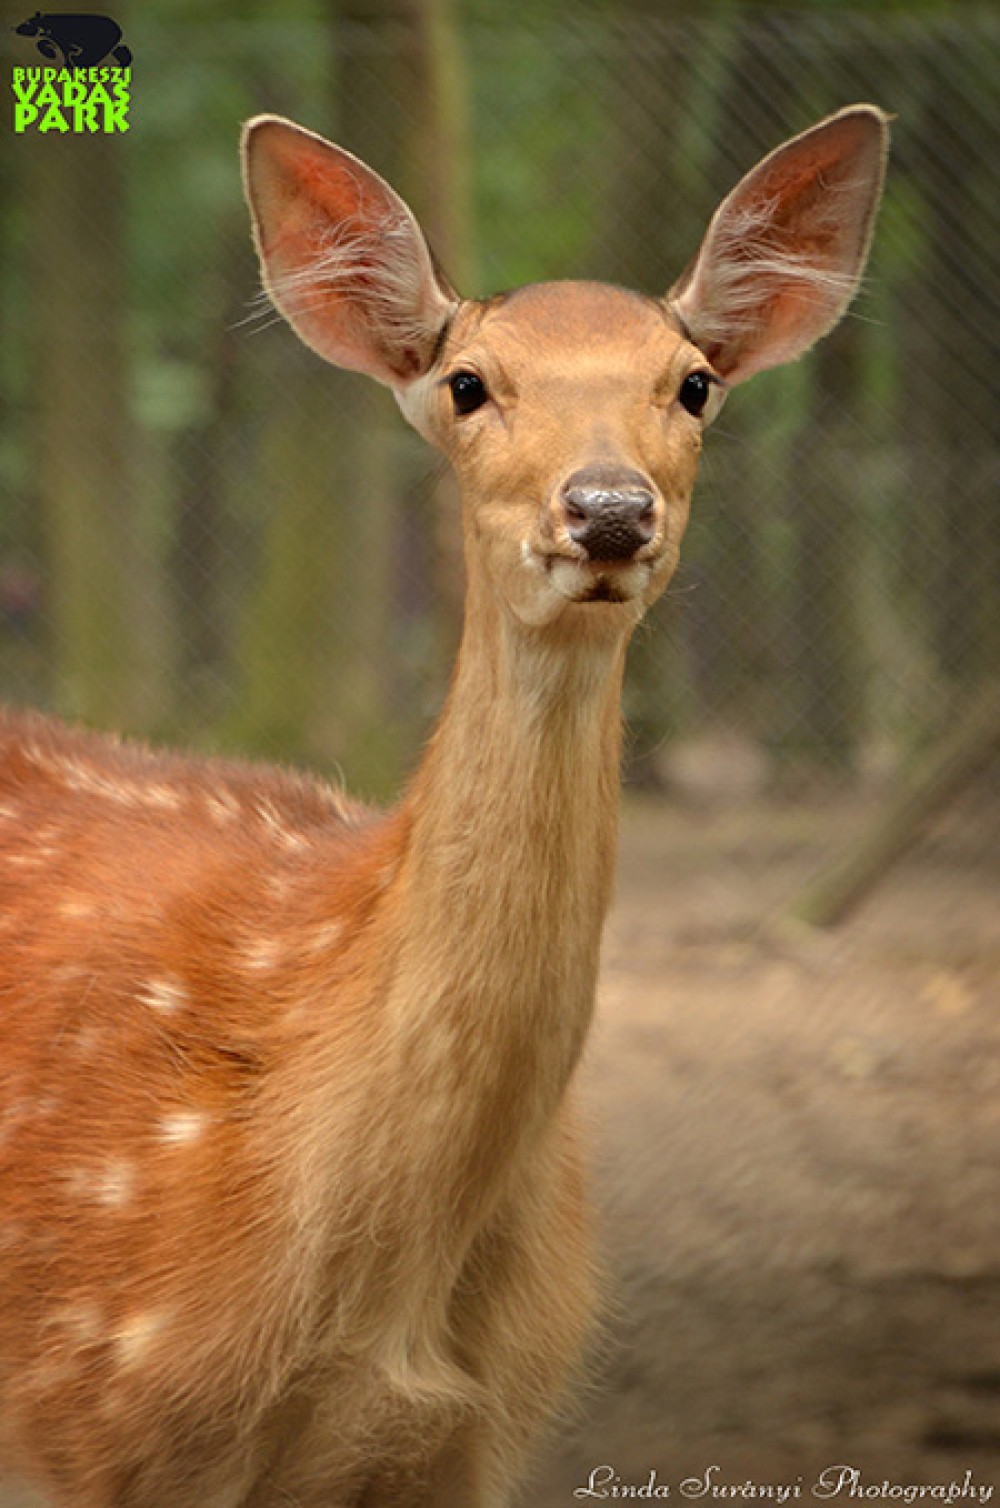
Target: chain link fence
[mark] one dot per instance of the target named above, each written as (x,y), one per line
(205,534)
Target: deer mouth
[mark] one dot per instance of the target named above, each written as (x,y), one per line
(605,589)
(585,581)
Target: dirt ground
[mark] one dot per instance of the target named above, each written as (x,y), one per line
(796,1151)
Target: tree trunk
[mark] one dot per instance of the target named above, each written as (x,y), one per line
(949,413)
(825,695)
(97,579)
(667,124)
(318,638)
(437,181)
(943,774)
(204,544)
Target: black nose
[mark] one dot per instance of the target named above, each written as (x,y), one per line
(610,511)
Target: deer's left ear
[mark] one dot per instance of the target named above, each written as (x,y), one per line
(784,252)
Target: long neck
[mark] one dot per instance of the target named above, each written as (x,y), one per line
(506,879)
(480,959)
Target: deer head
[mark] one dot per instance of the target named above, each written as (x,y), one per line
(572,412)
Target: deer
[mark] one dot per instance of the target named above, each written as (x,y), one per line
(292,1199)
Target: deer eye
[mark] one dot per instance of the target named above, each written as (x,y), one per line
(468,392)
(695,391)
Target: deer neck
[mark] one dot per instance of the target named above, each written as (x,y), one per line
(506,877)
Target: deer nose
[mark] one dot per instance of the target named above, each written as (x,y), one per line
(610,511)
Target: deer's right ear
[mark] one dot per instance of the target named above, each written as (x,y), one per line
(342,256)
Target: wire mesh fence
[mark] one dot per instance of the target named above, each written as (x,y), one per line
(205,533)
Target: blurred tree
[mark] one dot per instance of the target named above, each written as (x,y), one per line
(313,640)
(958,758)
(97,582)
(205,541)
(742,555)
(950,332)
(437,182)
(664,125)
(319,651)
(436,176)
(821,720)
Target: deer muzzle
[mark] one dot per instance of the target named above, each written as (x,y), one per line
(611,512)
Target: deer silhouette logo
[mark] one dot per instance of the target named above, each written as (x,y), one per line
(81,41)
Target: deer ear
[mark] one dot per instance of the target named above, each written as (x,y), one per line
(784,252)
(342,256)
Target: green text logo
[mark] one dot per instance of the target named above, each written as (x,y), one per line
(78,99)
(87,89)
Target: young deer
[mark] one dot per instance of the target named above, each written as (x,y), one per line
(290,1200)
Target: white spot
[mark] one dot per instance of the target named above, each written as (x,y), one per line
(8,811)
(66,1337)
(163,796)
(183,1128)
(71,976)
(263,952)
(133,1338)
(166,994)
(273,821)
(82,1322)
(114,1184)
(111,1185)
(83,777)
(76,907)
(326,936)
(87,1041)
(352,813)
(91,780)
(222,805)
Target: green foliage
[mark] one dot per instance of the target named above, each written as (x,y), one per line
(540,188)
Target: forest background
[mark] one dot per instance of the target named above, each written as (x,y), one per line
(206,535)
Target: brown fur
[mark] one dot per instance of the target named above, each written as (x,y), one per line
(291,1208)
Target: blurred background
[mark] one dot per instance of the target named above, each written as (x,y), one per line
(207,536)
